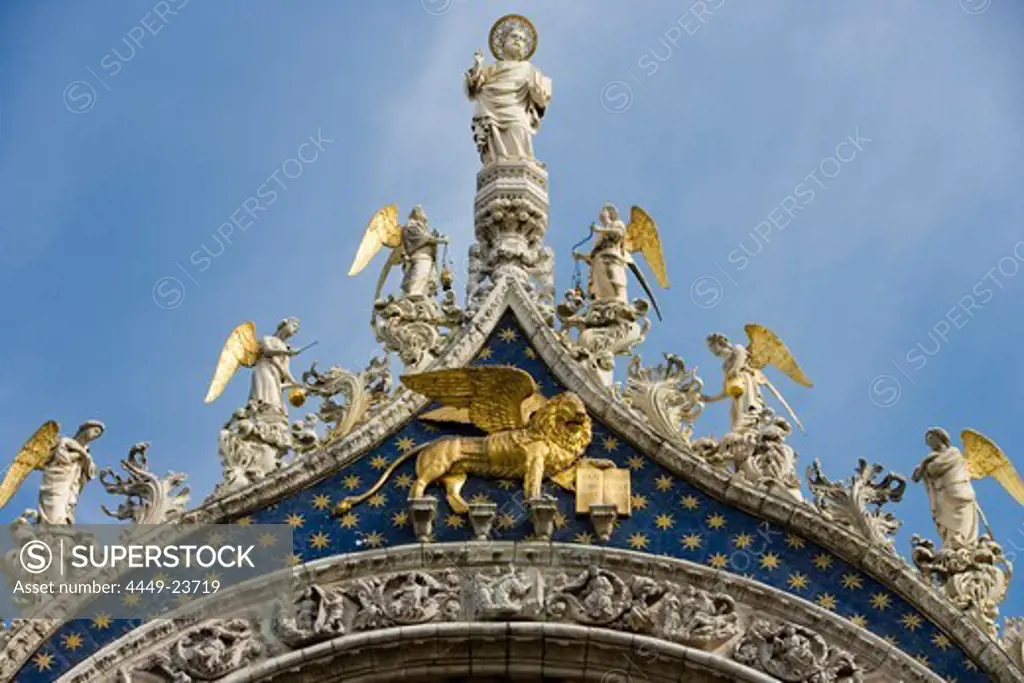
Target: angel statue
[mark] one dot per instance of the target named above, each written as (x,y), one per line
(511,95)
(269,359)
(412,245)
(528,436)
(612,253)
(947,473)
(66,465)
(742,367)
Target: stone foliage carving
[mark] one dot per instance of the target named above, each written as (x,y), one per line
(604,329)
(669,395)
(150,499)
(974,577)
(762,458)
(682,614)
(416,328)
(403,599)
(794,654)
(253,443)
(348,398)
(858,503)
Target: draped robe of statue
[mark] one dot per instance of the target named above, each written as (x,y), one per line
(64,475)
(270,373)
(743,387)
(951,495)
(419,276)
(510,98)
(608,263)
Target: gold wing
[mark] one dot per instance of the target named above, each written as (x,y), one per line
(494,398)
(33,455)
(986,459)
(241,348)
(384,229)
(767,349)
(642,236)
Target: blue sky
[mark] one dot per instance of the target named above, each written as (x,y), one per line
(116,167)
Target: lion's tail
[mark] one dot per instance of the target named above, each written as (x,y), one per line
(348,503)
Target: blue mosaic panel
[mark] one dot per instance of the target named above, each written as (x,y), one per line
(670,518)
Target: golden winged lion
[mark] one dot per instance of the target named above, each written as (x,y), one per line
(528,436)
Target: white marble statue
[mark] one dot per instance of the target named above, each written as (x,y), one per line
(269,357)
(272,373)
(607,260)
(419,255)
(742,367)
(67,467)
(511,95)
(66,473)
(947,480)
(613,252)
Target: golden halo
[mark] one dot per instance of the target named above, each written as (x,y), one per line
(502,26)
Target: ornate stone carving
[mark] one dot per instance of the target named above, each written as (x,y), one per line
(413,323)
(669,395)
(507,594)
(253,443)
(974,577)
(415,329)
(413,597)
(67,467)
(1013,639)
(30,528)
(315,615)
(682,614)
(157,669)
(605,329)
(511,219)
(595,597)
(760,456)
(348,398)
(215,649)
(150,499)
(858,503)
(795,654)
(542,516)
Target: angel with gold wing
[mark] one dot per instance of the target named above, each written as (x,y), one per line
(413,246)
(743,369)
(66,464)
(528,436)
(947,473)
(269,359)
(613,250)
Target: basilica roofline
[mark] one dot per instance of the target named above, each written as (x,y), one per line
(801,518)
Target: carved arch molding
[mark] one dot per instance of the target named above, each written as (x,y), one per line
(504,612)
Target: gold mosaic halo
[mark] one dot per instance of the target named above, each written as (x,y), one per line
(502,26)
